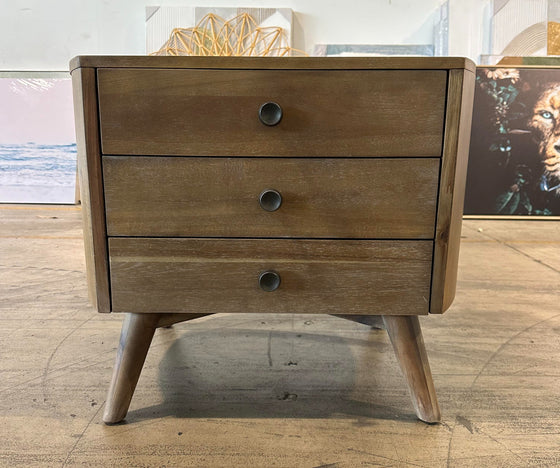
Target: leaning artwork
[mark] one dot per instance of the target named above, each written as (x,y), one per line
(37,139)
(514,162)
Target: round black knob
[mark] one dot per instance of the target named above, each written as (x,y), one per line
(270,113)
(269,281)
(270,200)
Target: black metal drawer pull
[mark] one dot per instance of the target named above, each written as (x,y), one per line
(270,113)
(270,200)
(269,281)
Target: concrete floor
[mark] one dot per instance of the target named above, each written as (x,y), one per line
(287,391)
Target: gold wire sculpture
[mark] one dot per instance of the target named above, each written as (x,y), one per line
(239,36)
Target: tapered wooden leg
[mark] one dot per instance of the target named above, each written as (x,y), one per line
(406,337)
(136,335)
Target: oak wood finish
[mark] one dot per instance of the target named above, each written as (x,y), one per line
(91,187)
(317,276)
(370,157)
(452,188)
(273,63)
(408,343)
(208,197)
(212,113)
(136,336)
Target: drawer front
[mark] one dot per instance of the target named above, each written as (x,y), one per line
(324,113)
(219,197)
(316,276)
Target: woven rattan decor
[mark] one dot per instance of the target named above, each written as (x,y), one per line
(239,36)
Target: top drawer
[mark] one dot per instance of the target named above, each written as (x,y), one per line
(180,112)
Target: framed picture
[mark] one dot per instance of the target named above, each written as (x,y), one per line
(37,138)
(514,160)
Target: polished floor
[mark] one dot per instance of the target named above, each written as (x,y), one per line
(280,390)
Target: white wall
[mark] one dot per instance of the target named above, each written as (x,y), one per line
(46,34)
(469,33)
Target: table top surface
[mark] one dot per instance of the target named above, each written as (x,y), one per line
(287,63)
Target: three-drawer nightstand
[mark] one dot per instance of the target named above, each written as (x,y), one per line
(277,185)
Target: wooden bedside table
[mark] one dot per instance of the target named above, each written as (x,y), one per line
(280,185)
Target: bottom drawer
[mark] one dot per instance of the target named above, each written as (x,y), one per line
(316,276)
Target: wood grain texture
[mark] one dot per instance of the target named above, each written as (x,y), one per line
(219,197)
(452,189)
(317,276)
(408,344)
(263,63)
(136,336)
(325,113)
(91,186)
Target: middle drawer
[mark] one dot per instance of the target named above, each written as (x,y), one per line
(220,197)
